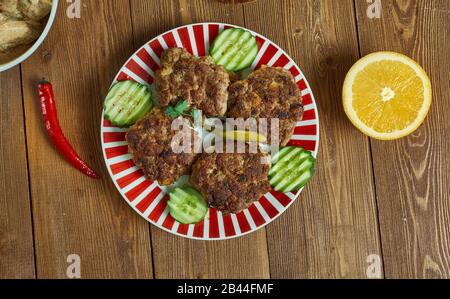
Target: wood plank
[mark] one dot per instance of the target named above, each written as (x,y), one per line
(412,174)
(175,257)
(332,229)
(16,231)
(170,14)
(74,214)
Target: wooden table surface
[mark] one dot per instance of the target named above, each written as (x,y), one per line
(368,199)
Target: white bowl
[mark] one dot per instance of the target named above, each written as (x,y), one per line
(37,43)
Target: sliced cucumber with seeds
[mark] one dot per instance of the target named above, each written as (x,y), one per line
(292,168)
(127,102)
(186,205)
(235,49)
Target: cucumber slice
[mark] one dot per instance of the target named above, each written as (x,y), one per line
(248,60)
(127,102)
(186,205)
(286,156)
(288,167)
(292,168)
(235,49)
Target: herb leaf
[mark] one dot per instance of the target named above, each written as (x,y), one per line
(181,106)
(195,113)
(170,111)
(178,110)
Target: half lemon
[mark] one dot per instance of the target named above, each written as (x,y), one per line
(386,95)
(247,136)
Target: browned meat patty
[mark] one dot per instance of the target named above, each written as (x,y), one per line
(197,80)
(268,93)
(150,141)
(231,182)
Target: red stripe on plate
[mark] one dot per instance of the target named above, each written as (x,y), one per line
(228,226)
(168,222)
(256,215)
(113,136)
(268,207)
(260,41)
(228,27)
(199,39)
(198,229)
(136,191)
(129,178)
(281,61)
(309,115)
(143,205)
(243,222)
(309,145)
(281,197)
(116,151)
(156,47)
(213,31)
(213,223)
(302,84)
(170,40)
(294,71)
(185,40)
(139,71)
(123,77)
(306,130)
(121,166)
(107,123)
(307,99)
(159,209)
(268,54)
(183,229)
(148,60)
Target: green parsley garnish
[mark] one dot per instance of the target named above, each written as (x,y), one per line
(195,113)
(178,110)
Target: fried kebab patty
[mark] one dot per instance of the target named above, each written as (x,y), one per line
(197,80)
(150,141)
(231,182)
(268,93)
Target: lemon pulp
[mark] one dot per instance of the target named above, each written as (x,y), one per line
(386,95)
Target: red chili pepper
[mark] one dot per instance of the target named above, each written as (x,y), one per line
(48,109)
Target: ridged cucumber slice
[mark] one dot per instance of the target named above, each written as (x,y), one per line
(127,102)
(284,155)
(287,167)
(292,168)
(235,49)
(186,205)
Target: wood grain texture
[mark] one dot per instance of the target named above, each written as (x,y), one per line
(329,232)
(74,214)
(175,257)
(16,239)
(332,228)
(412,174)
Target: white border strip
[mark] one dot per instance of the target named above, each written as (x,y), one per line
(192,40)
(260,53)
(152,206)
(144,193)
(152,54)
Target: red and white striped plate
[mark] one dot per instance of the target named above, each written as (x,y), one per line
(148,198)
